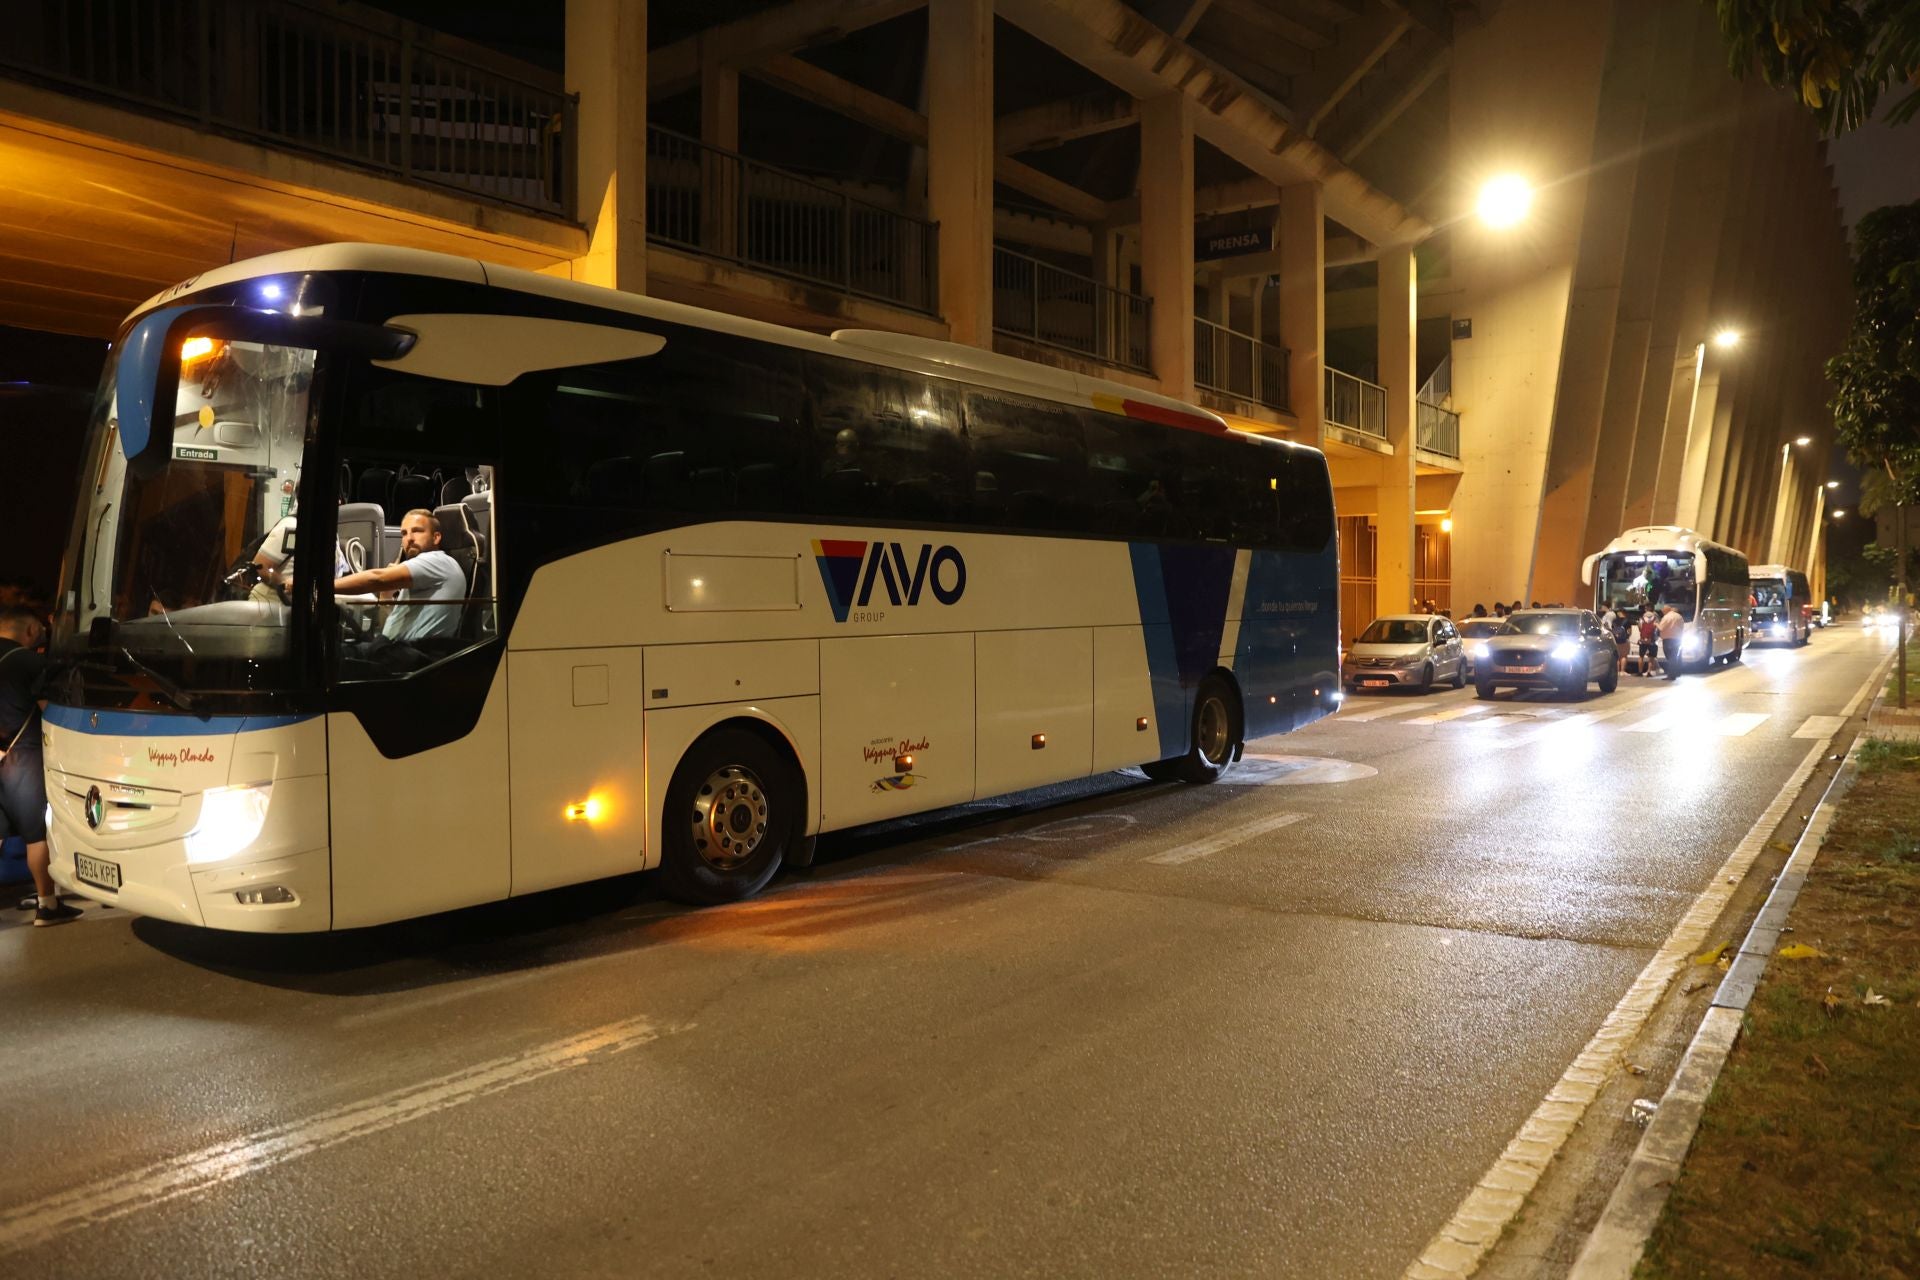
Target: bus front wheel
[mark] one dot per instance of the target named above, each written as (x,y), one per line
(1214,741)
(733,808)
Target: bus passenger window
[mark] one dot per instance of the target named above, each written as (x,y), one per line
(1036,453)
(885,446)
(425,589)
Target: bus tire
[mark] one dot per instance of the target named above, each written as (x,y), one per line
(733,809)
(1739,644)
(1213,738)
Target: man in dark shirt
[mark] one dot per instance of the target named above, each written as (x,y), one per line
(23,782)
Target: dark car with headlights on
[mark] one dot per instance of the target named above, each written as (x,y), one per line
(1561,649)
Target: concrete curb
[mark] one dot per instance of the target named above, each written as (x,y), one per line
(1619,1238)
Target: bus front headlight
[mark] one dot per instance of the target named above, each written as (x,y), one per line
(230,820)
(1690,643)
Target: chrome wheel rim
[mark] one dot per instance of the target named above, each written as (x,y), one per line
(729,817)
(1213,731)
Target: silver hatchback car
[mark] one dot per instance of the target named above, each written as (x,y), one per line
(1411,649)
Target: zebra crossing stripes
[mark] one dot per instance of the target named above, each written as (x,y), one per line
(1393,708)
(1820,727)
(1454,713)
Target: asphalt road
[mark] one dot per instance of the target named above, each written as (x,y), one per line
(1277,1026)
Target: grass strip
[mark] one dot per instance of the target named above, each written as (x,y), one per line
(1807,1162)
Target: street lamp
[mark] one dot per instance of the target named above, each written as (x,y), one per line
(1839,514)
(1803,441)
(1727,339)
(1833,484)
(1505,200)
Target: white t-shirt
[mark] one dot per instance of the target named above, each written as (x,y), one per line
(436,576)
(280,544)
(1671,625)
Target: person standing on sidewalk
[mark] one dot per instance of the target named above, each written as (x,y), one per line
(1670,627)
(23,781)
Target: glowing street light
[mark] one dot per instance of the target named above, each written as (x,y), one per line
(1833,484)
(1505,200)
(1803,441)
(1446,524)
(1839,514)
(1727,339)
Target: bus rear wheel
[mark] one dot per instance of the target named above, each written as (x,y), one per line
(733,808)
(1214,741)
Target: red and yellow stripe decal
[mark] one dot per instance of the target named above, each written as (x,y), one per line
(1156,413)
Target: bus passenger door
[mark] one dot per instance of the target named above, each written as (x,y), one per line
(1035,699)
(896,726)
(578,780)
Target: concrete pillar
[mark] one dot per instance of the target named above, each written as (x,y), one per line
(607,67)
(1593,306)
(1166,236)
(1303,304)
(720,127)
(1399,308)
(960,161)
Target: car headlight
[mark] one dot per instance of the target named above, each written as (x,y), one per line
(230,819)
(1479,649)
(1566,651)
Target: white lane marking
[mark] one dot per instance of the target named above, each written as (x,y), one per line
(1496,722)
(1453,713)
(1375,713)
(1226,840)
(118,1195)
(1740,723)
(1564,728)
(1459,1247)
(1658,722)
(1820,727)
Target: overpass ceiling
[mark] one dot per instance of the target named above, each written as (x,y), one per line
(87,233)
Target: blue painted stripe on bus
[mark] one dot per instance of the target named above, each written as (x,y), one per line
(147,724)
(1198,581)
(1163,658)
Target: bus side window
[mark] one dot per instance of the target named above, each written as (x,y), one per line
(439,442)
(884,446)
(1133,477)
(1036,454)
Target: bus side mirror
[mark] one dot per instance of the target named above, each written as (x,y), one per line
(147,376)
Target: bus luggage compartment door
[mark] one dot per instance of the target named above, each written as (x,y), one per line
(577,767)
(896,732)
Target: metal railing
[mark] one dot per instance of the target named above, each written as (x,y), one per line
(1437,429)
(1039,302)
(1239,364)
(718,203)
(345,82)
(1356,404)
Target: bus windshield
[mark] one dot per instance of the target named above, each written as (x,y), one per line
(185,567)
(1770,593)
(1637,580)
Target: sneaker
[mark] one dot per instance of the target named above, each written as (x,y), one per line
(59,914)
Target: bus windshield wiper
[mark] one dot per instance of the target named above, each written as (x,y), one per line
(172,692)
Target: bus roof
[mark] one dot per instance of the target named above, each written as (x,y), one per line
(1656,537)
(927,356)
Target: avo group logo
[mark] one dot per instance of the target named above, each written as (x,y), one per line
(852,571)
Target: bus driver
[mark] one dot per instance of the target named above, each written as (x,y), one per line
(424,573)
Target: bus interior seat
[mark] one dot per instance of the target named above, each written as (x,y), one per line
(610,483)
(847,491)
(664,480)
(758,484)
(480,514)
(360,525)
(457,540)
(412,493)
(454,490)
(709,489)
(988,505)
(1033,509)
(375,485)
(913,499)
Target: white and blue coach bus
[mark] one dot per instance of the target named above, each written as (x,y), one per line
(726,586)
